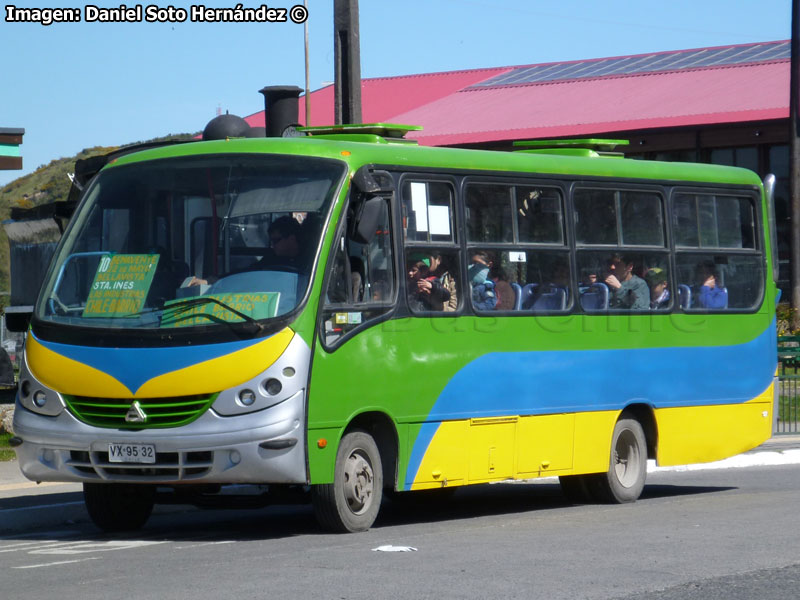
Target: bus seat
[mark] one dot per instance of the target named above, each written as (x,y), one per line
(527,296)
(685,295)
(552,298)
(517,295)
(594,297)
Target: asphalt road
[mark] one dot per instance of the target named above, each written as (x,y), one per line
(729,534)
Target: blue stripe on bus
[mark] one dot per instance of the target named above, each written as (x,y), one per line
(552,382)
(134,366)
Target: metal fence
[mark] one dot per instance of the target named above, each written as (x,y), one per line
(787,402)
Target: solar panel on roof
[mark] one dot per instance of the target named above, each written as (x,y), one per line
(649,63)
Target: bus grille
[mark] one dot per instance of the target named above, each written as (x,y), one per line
(169,466)
(160,412)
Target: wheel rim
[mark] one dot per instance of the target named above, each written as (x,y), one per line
(627,460)
(359,482)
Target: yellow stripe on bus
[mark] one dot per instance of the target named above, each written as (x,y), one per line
(219,373)
(70,376)
(496,449)
(75,378)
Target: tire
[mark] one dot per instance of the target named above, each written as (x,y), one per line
(119,506)
(351,503)
(627,469)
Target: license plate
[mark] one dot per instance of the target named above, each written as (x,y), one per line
(132,453)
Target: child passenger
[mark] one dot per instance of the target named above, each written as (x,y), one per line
(659,294)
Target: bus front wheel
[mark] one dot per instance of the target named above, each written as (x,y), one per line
(352,501)
(119,506)
(627,471)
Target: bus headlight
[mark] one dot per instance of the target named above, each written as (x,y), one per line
(273,386)
(247,397)
(39,398)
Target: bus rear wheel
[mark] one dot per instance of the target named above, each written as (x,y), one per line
(119,506)
(351,503)
(627,469)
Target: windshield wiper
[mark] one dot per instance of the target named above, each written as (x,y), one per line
(187,305)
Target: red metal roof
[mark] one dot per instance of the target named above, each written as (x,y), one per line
(382,97)
(465,107)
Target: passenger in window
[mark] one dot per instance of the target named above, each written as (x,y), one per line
(425,292)
(380,291)
(440,272)
(628,291)
(707,293)
(659,294)
(502,288)
(483,294)
(284,242)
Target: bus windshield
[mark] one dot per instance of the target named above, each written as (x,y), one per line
(203,242)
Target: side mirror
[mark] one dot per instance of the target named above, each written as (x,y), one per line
(373,182)
(769,193)
(368,216)
(18,318)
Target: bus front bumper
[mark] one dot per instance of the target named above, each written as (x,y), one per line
(267,446)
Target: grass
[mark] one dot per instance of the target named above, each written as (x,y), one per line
(6,453)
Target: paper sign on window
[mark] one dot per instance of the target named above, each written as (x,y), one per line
(439,220)
(120,285)
(258,305)
(419,204)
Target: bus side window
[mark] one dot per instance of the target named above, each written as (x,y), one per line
(361,282)
(718,262)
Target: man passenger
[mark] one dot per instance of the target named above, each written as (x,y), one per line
(628,291)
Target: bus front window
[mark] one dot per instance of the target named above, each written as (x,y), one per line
(192,242)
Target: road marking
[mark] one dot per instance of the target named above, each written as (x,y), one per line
(28,546)
(202,544)
(87,547)
(53,564)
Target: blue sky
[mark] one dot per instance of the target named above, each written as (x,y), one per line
(76,85)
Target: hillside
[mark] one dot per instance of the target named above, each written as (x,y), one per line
(48,183)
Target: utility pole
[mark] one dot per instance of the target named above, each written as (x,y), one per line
(794,117)
(308,87)
(347,56)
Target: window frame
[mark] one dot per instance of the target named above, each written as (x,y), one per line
(660,190)
(404,245)
(390,307)
(758,239)
(559,185)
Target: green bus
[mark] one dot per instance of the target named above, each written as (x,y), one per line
(345,314)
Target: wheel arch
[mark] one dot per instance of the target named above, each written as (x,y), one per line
(645,415)
(382,429)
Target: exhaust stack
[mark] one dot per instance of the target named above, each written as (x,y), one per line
(280,109)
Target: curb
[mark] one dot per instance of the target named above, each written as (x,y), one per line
(37,517)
